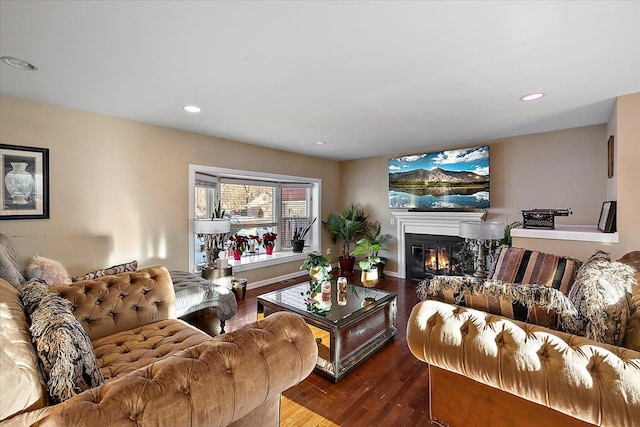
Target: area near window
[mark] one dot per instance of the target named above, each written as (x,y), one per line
(256,203)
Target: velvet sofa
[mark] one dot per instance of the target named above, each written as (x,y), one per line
(488,369)
(157,370)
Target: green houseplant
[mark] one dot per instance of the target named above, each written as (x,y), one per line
(374,242)
(299,234)
(369,265)
(370,246)
(346,227)
(318,266)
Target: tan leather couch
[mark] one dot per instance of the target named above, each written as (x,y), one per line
(159,370)
(487,370)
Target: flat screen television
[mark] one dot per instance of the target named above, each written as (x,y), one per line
(442,180)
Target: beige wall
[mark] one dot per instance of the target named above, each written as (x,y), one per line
(562,169)
(624,125)
(627,172)
(119,189)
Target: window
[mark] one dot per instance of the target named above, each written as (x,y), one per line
(255,203)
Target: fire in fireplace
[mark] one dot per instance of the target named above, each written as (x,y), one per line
(430,255)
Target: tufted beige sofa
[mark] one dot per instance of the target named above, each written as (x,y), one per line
(159,370)
(487,370)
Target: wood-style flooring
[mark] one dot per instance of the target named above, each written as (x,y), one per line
(389,389)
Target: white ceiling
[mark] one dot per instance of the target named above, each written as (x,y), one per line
(369,78)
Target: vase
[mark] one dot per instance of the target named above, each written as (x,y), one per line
(19,183)
(346,264)
(369,278)
(237,255)
(297,245)
(268,250)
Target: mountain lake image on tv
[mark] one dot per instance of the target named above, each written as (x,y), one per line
(447,180)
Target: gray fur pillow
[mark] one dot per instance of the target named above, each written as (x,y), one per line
(10,269)
(64,349)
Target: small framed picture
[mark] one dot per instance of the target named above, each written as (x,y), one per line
(607,221)
(24,182)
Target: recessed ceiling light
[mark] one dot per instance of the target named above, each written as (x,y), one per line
(192,109)
(18,63)
(532,96)
(320,143)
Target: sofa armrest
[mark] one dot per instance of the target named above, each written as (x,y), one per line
(214,383)
(594,382)
(122,301)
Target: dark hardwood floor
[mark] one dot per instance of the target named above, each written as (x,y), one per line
(389,389)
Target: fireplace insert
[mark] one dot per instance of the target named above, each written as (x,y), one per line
(429,255)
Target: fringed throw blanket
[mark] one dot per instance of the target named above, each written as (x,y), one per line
(602,294)
(66,355)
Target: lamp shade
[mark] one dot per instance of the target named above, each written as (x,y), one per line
(211,226)
(484,230)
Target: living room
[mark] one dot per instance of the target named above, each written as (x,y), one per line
(120,187)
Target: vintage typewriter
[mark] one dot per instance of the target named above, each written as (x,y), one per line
(542,218)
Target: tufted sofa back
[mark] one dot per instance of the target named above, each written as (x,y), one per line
(121,302)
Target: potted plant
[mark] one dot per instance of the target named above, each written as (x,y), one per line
(299,234)
(318,266)
(254,242)
(268,241)
(346,227)
(374,236)
(369,265)
(238,244)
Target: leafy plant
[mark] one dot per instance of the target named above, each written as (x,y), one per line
(299,233)
(268,239)
(346,227)
(218,212)
(317,265)
(239,242)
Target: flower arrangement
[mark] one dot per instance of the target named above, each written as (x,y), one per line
(238,242)
(268,239)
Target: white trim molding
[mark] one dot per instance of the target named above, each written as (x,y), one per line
(441,223)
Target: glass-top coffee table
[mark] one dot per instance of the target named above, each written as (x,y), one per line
(348,326)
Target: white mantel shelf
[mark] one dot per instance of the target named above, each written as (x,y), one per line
(584,233)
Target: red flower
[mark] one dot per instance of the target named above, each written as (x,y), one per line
(269,239)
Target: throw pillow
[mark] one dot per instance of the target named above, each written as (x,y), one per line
(536,304)
(10,268)
(121,268)
(49,270)
(516,265)
(602,295)
(66,355)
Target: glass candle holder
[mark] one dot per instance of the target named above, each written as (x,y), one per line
(326,290)
(342,284)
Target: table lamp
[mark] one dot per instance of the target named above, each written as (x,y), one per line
(208,230)
(480,234)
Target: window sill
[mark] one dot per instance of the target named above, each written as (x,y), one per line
(252,262)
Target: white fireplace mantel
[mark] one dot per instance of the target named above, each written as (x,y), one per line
(442,223)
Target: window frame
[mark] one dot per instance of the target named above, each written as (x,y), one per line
(281,256)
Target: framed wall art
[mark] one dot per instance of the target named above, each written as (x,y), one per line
(607,221)
(24,182)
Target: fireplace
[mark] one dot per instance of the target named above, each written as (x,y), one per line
(429,255)
(436,223)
